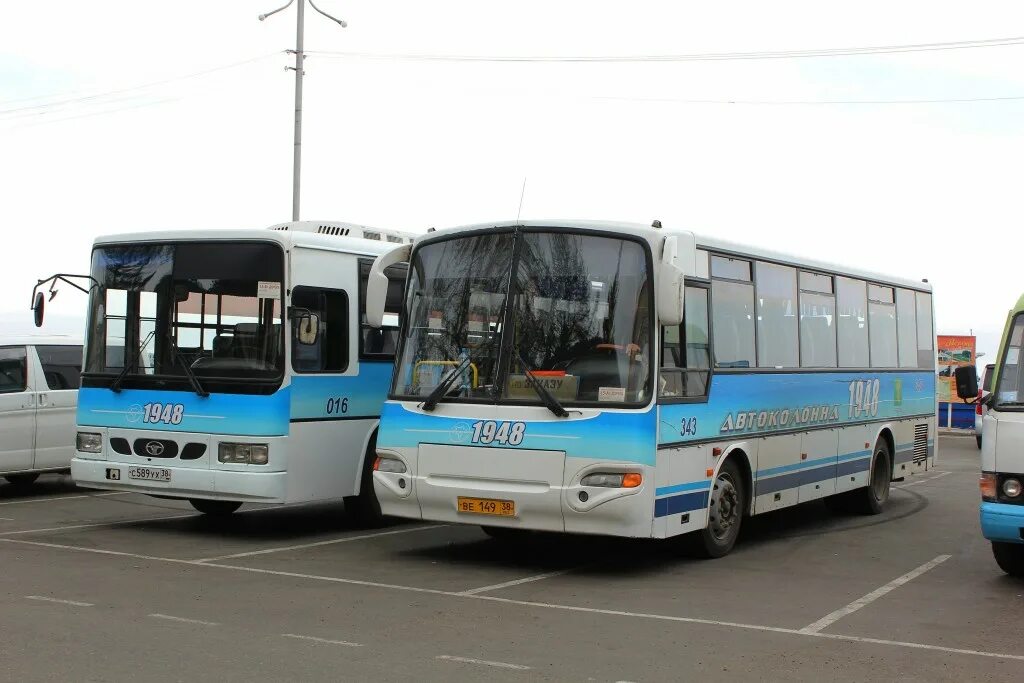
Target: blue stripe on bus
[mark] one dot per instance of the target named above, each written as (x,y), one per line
(853,466)
(791,481)
(665,490)
(683,503)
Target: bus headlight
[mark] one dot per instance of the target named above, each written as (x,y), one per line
(89,442)
(613,480)
(1011,488)
(394,465)
(243,453)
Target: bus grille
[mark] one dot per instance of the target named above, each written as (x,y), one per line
(920,443)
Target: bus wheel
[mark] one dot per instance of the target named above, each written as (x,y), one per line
(725,513)
(871,500)
(977,437)
(215,508)
(22,480)
(364,509)
(1009,557)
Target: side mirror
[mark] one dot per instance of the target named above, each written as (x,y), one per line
(37,309)
(377,284)
(966,382)
(308,326)
(670,285)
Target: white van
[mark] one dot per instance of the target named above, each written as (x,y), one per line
(39,378)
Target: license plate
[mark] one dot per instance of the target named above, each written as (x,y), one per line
(149,473)
(487,506)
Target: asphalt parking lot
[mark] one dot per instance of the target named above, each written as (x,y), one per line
(100,586)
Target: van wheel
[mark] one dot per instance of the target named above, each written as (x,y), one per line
(1009,557)
(977,438)
(22,480)
(215,508)
(727,503)
(871,500)
(364,509)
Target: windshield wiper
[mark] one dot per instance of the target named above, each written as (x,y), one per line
(444,385)
(192,379)
(115,386)
(546,397)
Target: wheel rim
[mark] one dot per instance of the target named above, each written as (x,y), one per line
(880,477)
(724,511)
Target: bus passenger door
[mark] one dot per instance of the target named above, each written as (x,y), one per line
(818,450)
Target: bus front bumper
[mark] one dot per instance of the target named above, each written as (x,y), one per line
(1002,522)
(257,487)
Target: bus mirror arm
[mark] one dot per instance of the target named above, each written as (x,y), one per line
(377,283)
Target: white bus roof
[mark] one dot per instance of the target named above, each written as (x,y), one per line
(332,235)
(653,235)
(40,340)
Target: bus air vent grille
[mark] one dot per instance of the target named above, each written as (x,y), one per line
(920,443)
(336,230)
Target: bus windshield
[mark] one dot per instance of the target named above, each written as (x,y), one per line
(214,308)
(578,307)
(1010,392)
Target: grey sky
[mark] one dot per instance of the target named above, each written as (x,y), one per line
(919,190)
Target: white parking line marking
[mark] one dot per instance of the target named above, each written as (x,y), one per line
(922,481)
(470,660)
(300,546)
(47,500)
(516,582)
(321,640)
(544,605)
(829,619)
(96,525)
(184,620)
(43,598)
(6,519)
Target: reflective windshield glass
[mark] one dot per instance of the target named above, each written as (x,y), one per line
(214,307)
(1011,373)
(455,302)
(580,311)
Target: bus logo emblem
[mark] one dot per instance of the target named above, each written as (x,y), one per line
(154,448)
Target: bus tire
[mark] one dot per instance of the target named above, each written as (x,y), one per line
(215,508)
(977,437)
(364,509)
(726,506)
(1009,557)
(22,480)
(871,499)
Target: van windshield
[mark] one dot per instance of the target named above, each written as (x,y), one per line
(213,307)
(1010,392)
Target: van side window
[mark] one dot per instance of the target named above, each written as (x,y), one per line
(686,350)
(13,369)
(62,366)
(380,344)
(329,353)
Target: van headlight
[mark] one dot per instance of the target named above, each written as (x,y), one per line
(1011,487)
(243,453)
(89,442)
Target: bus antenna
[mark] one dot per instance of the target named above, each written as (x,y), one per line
(521,195)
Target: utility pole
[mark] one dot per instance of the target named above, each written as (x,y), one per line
(299,58)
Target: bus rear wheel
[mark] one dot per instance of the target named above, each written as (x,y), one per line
(727,503)
(871,500)
(215,508)
(1009,557)
(364,509)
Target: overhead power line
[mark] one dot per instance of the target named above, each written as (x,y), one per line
(947,100)
(694,57)
(119,91)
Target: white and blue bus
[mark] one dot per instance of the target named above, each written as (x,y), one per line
(235,366)
(620,379)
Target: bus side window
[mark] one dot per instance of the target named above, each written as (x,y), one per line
(329,353)
(380,344)
(686,350)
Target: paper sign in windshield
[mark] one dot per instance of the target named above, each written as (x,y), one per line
(268,290)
